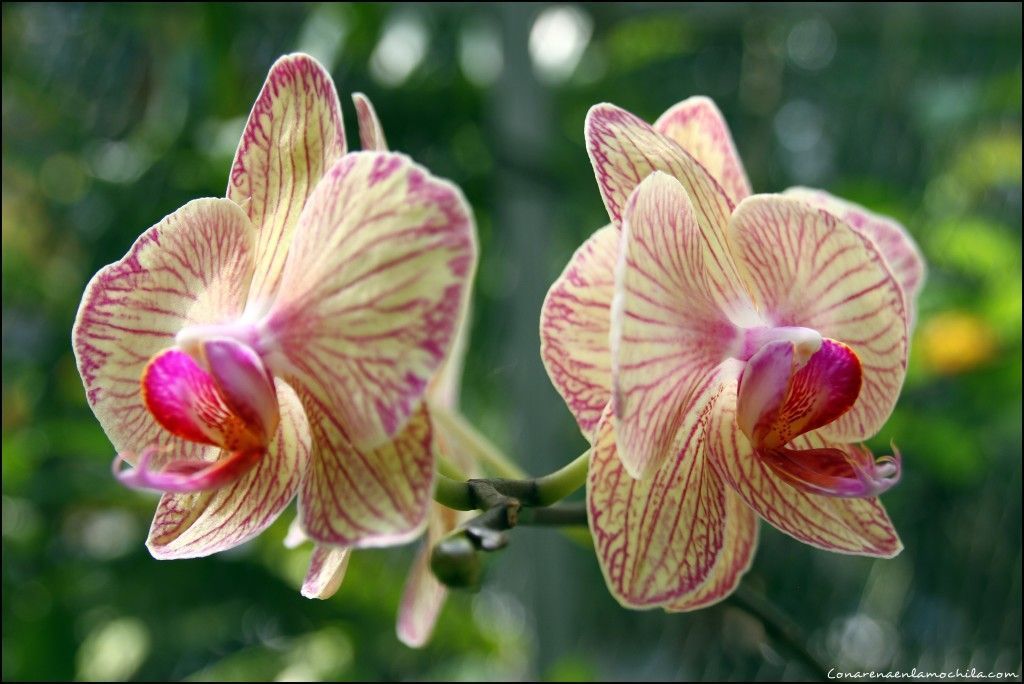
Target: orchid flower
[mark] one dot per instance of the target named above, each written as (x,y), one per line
(277,343)
(424,595)
(725,353)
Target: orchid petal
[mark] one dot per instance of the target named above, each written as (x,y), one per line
(327,566)
(293,135)
(624,150)
(191,268)
(777,401)
(372,292)
(657,540)
(741,530)
(371,133)
(446,384)
(893,240)
(857,526)
(574,325)
(807,268)
(697,126)
(669,326)
(202,523)
(366,498)
(423,596)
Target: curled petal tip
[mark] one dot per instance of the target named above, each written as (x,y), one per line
(848,472)
(184,476)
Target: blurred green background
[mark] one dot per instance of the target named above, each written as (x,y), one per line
(113,116)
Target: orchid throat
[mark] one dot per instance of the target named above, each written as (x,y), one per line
(212,389)
(795,381)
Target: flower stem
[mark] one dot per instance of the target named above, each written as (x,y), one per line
(563,482)
(778,626)
(484,494)
(453,493)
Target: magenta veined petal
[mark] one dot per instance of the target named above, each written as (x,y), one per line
(358,498)
(423,596)
(624,150)
(191,268)
(372,293)
(575,322)
(738,547)
(846,525)
(371,133)
(807,268)
(675,290)
(293,136)
(697,125)
(327,566)
(203,523)
(893,240)
(657,540)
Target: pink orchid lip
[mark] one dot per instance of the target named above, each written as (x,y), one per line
(246,386)
(231,403)
(850,473)
(779,399)
(184,476)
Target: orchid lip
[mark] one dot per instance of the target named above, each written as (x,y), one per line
(186,475)
(850,473)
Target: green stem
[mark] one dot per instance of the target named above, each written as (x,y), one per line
(563,482)
(561,515)
(487,493)
(454,494)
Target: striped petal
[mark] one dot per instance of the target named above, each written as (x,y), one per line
(371,133)
(202,523)
(327,566)
(574,325)
(657,540)
(670,326)
(624,150)
(893,240)
(361,498)
(373,291)
(807,268)
(423,596)
(293,135)
(191,268)
(738,547)
(697,126)
(857,526)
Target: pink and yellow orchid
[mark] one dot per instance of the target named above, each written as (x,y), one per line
(424,595)
(724,353)
(284,336)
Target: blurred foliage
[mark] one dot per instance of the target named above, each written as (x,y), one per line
(115,115)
